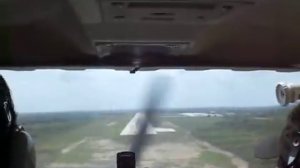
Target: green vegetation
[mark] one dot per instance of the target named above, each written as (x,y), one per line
(80,154)
(51,137)
(237,134)
(216,159)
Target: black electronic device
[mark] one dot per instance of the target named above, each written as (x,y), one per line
(126,159)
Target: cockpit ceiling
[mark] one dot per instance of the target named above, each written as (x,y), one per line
(150,33)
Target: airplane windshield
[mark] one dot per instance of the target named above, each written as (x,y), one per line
(199,119)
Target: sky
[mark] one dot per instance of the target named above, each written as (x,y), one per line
(92,90)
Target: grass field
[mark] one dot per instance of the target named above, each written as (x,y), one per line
(236,134)
(215,159)
(76,140)
(53,136)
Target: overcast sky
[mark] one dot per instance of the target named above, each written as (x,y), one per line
(59,90)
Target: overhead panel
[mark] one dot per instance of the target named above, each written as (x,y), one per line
(168,11)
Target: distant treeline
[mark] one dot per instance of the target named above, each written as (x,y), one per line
(84,115)
(57,117)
